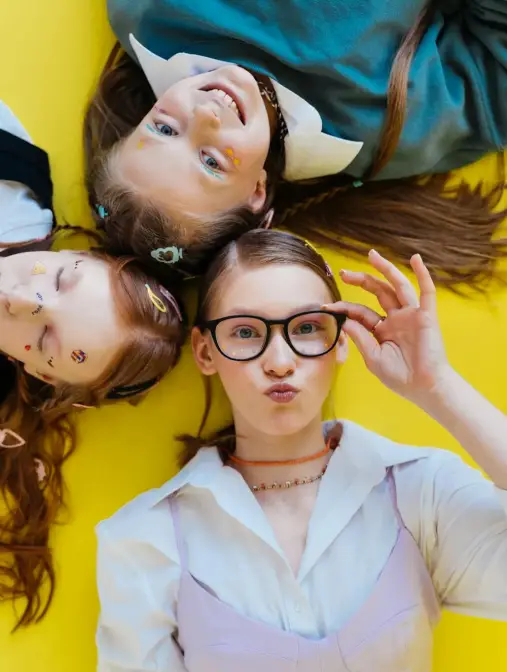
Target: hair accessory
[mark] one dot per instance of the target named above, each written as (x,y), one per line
(38,269)
(357,183)
(4,433)
(156,300)
(78,356)
(329,272)
(101,211)
(40,470)
(168,255)
(125,391)
(167,294)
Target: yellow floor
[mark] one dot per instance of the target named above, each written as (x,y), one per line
(50,54)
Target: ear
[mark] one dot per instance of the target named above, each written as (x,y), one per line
(203,351)
(342,348)
(258,198)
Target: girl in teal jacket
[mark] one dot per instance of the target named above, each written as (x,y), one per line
(315,114)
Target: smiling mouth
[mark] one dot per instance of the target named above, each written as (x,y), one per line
(229,101)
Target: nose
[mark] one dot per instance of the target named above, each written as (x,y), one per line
(23,301)
(206,115)
(279,359)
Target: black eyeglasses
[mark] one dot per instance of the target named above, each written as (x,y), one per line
(244,337)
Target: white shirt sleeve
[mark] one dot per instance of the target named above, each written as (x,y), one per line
(21,217)
(463,536)
(137,621)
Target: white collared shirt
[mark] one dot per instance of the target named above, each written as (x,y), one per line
(309,152)
(458,519)
(21,217)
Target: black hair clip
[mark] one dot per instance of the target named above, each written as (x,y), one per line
(126,391)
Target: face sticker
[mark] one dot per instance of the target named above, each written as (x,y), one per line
(40,306)
(230,153)
(28,348)
(40,470)
(140,144)
(76,263)
(38,269)
(78,356)
(50,362)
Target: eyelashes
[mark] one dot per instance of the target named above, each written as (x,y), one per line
(50,362)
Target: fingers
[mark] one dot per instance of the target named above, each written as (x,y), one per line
(385,294)
(367,317)
(404,289)
(364,341)
(427,289)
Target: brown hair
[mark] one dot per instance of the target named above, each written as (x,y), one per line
(40,413)
(453,227)
(254,249)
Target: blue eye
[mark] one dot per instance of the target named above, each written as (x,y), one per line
(210,162)
(165,129)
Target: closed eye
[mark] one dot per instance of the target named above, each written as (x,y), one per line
(58,277)
(40,342)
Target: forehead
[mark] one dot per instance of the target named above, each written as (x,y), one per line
(271,291)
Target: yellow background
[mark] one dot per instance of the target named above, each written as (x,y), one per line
(50,54)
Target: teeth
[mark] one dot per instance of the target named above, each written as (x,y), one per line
(230,101)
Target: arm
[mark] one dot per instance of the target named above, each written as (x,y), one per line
(137,622)
(475,423)
(405,351)
(473,49)
(463,536)
(462,516)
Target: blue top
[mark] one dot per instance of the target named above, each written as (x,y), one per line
(337,54)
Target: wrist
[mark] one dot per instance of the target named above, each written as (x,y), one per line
(446,390)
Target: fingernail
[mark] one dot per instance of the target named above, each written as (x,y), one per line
(372,251)
(341,272)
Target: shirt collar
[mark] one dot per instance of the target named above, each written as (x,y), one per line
(309,153)
(362,452)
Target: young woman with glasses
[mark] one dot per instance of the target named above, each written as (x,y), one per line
(285,544)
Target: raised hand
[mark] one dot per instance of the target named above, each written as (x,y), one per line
(404,347)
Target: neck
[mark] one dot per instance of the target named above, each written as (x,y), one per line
(253,445)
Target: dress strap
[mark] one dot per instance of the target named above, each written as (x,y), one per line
(180,541)
(394,497)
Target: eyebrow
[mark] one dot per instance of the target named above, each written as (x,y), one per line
(259,313)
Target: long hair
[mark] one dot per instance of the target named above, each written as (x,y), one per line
(255,249)
(454,227)
(41,415)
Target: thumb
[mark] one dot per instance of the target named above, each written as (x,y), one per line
(363,339)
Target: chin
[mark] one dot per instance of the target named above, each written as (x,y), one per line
(284,423)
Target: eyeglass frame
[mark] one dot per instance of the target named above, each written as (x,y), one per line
(211,326)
